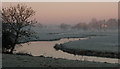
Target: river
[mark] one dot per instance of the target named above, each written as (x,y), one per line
(46,48)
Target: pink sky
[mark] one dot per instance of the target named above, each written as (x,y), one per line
(71,13)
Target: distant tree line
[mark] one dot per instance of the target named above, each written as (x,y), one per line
(94,24)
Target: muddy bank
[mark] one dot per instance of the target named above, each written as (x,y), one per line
(87,52)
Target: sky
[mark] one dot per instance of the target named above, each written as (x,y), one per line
(60,0)
(70,12)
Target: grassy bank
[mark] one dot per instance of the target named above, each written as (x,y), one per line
(102,46)
(10,60)
(54,37)
(88,52)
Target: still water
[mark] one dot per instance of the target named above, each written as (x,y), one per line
(46,48)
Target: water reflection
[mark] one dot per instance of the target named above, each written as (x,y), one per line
(46,48)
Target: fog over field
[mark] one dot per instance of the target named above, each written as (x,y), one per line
(43,34)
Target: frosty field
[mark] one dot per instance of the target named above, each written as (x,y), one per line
(107,43)
(102,42)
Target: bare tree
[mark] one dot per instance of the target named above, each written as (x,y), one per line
(16,22)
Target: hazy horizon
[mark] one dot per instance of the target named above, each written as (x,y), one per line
(70,12)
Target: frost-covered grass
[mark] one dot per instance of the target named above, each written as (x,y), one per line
(10,60)
(108,43)
(56,33)
(103,40)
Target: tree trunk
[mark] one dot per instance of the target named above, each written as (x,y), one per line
(13,46)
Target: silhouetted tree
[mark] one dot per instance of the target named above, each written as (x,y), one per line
(64,26)
(112,23)
(16,22)
(81,26)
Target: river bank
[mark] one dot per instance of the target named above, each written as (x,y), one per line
(101,46)
(46,48)
(10,60)
(56,58)
(87,52)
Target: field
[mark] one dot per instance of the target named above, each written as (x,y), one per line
(55,33)
(59,34)
(101,40)
(103,44)
(107,43)
(30,61)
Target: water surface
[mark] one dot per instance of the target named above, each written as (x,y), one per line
(46,48)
